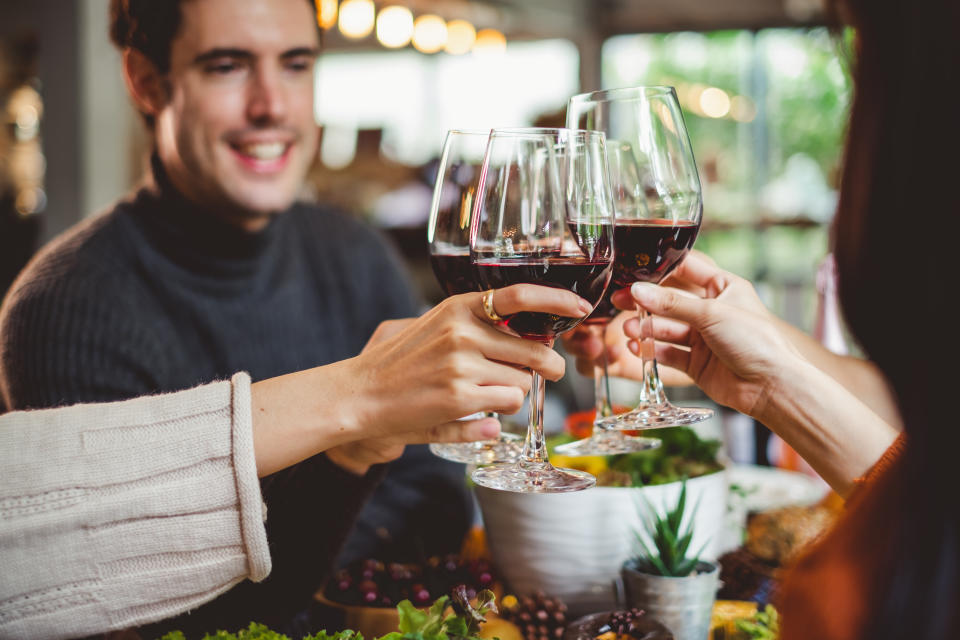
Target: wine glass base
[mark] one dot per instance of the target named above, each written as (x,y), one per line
(657,416)
(505,448)
(543,478)
(606,443)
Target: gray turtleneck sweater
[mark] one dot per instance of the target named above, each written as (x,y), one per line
(158,295)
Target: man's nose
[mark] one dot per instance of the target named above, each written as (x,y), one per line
(267,100)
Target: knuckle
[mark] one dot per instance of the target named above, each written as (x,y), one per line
(669,301)
(458,366)
(455,336)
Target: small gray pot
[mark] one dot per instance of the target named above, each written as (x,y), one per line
(684,605)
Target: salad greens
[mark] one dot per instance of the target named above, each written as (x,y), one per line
(682,454)
(463,623)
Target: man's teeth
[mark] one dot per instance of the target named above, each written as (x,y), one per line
(264,150)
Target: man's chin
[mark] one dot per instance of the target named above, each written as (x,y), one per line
(253,213)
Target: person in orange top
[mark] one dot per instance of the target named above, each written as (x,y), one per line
(890,568)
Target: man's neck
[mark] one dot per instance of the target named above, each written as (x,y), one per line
(245,220)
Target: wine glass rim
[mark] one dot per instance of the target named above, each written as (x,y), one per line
(621,93)
(471,132)
(542,131)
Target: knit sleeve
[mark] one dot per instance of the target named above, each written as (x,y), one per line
(880,467)
(114,515)
(76,336)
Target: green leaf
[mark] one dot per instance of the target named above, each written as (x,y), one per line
(676,516)
(347,634)
(259,632)
(652,559)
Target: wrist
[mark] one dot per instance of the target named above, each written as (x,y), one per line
(778,397)
(298,415)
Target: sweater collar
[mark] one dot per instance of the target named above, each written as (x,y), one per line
(192,236)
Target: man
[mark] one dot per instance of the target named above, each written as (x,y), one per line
(214,268)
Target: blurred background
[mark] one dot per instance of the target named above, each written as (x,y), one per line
(763,84)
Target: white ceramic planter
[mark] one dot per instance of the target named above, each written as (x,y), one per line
(572,545)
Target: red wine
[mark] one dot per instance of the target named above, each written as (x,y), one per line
(648,250)
(587,278)
(454,272)
(645,251)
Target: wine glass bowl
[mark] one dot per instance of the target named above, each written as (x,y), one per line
(659,207)
(448,238)
(543,216)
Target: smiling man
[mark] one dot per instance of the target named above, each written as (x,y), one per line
(213,267)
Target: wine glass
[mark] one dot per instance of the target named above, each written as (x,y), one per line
(606,440)
(659,207)
(543,216)
(448,237)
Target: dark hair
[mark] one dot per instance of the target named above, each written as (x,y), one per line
(148,26)
(897,218)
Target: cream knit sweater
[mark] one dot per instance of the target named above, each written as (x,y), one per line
(114,515)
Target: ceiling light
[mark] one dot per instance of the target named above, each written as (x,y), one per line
(394,27)
(356,18)
(490,41)
(460,37)
(326,13)
(429,33)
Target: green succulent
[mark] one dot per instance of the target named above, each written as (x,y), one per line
(669,557)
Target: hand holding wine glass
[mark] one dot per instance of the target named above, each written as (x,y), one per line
(543,216)
(450,362)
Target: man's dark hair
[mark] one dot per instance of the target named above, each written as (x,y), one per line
(147,26)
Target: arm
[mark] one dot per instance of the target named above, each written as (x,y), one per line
(741,359)
(448,363)
(860,377)
(110,516)
(154,501)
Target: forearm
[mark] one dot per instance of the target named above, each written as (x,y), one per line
(860,377)
(126,501)
(301,414)
(826,424)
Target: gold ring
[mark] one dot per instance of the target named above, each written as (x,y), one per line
(487,299)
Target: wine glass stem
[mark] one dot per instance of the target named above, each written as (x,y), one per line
(534,454)
(652,391)
(601,379)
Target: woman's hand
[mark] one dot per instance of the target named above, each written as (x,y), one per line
(725,340)
(416,377)
(588,345)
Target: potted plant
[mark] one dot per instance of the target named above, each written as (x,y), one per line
(573,545)
(666,579)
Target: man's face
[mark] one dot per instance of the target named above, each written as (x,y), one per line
(237,134)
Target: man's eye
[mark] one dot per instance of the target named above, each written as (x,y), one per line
(222,68)
(299,65)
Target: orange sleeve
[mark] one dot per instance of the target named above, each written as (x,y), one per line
(880,467)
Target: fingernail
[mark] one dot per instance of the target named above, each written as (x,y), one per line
(634,347)
(585,307)
(490,429)
(643,291)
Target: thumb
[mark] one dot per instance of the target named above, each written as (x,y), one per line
(669,303)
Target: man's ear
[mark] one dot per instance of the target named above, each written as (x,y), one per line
(145,83)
